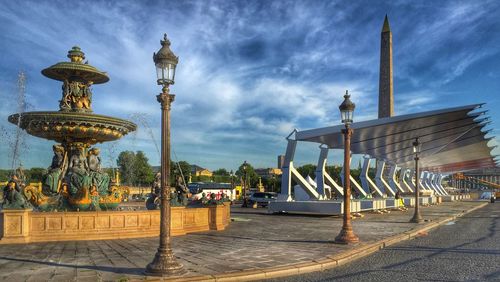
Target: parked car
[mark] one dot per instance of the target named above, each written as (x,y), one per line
(262,198)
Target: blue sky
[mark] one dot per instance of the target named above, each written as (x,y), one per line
(249,71)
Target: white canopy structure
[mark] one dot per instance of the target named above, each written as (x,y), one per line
(452,139)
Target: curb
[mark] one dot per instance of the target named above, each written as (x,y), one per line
(328,262)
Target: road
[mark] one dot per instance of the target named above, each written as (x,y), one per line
(464,250)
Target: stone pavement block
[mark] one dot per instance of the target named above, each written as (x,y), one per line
(242,276)
(17,278)
(281,271)
(362,251)
(88,279)
(309,267)
(62,278)
(201,278)
(395,239)
(327,263)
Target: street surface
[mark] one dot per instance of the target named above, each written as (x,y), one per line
(465,250)
(253,241)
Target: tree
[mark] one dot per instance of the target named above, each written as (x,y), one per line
(36,174)
(142,170)
(125,162)
(334,172)
(252,177)
(221,172)
(308,169)
(185,168)
(272,183)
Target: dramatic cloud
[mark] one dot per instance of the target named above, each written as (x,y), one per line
(249,72)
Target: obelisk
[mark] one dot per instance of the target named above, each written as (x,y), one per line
(386,89)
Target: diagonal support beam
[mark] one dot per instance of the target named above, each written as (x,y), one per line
(392,179)
(379,179)
(402,180)
(367,182)
(322,176)
(354,183)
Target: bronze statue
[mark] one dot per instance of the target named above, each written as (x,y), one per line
(153,201)
(100,179)
(51,180)
(78,177)
(13,197)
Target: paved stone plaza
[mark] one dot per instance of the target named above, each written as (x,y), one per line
(254,240)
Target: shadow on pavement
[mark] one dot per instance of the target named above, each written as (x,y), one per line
(120,270)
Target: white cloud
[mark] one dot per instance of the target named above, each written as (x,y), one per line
(247,75)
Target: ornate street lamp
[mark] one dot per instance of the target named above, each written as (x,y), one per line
(244,205)
(231,175)
(164,262)
(346,235)
(417,218)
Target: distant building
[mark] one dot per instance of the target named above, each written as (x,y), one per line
(476,179)
(268,172)
(199,171)
(281,161)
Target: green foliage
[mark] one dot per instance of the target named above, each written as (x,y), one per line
(5,174)
(35,174)
(273,183)
(32,175)
(355,174)
(185,168)
(201,178)
(308,169)
(125,163)
(221,172)
(135,169)
(334,172)
(251,177)
(110,171)
(143,171)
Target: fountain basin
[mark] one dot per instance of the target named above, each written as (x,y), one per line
(73,126)
(24,226)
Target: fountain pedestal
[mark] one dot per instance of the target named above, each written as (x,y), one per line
(25,226)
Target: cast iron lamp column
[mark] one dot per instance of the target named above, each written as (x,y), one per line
(245,204)
(346,235)
(417,218)
(231,175)
(164,262)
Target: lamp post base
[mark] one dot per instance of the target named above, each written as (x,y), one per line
(416,219)
(346,237)
(164,264)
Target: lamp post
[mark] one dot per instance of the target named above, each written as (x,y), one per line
(244,205)
(417,218)
(231,175)
(164,262)
(346,235)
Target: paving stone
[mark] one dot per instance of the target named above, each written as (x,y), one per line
(264,241)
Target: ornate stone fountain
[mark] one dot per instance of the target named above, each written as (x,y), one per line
(74,179)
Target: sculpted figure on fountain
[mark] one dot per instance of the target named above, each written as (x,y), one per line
(78,177)
(52,180)
(100,179)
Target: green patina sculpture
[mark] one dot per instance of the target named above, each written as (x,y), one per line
(178,196)
(99,179)
(13,195)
